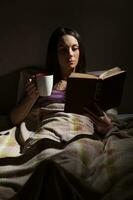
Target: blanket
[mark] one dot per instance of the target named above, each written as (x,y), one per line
(71,154)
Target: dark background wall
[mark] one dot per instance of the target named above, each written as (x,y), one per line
(25,27)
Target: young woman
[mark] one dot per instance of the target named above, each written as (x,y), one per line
(65,54)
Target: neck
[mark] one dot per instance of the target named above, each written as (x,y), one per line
(66,74)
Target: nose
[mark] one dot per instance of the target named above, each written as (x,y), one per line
(70,52)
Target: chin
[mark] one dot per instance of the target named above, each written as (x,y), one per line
(72,66)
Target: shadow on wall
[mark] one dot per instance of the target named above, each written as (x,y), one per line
(9,89)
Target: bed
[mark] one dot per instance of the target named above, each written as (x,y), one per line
(77,164)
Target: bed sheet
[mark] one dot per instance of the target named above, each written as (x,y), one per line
(103,165)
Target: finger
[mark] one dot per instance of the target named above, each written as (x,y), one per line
(30,84)
(32,90)
(106,119)
(30,79)
(93,116)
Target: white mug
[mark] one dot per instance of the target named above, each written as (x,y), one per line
(44,84)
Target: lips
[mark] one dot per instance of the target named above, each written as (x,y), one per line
(70,61)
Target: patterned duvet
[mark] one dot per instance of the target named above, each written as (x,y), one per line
(103,164)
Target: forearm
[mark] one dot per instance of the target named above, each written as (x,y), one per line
(19,113)
(102,123)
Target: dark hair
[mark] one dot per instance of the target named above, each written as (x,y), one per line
(52,64)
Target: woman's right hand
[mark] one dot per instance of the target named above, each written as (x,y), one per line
(20,112)
(31,90)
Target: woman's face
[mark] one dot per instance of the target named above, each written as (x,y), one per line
(68,53)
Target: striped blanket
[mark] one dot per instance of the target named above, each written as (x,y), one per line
(61,151)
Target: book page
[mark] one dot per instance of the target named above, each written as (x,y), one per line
(110,72)
(96,73)
(82,75)
(102,74)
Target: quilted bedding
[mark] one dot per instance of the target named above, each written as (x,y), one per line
(66,153)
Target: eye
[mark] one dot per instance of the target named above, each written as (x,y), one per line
(62,50)
(74,48)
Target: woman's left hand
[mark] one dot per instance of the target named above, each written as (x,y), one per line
(102,123)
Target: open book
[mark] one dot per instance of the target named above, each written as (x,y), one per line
(99,89)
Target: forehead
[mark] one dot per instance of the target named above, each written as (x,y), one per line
(68,40)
